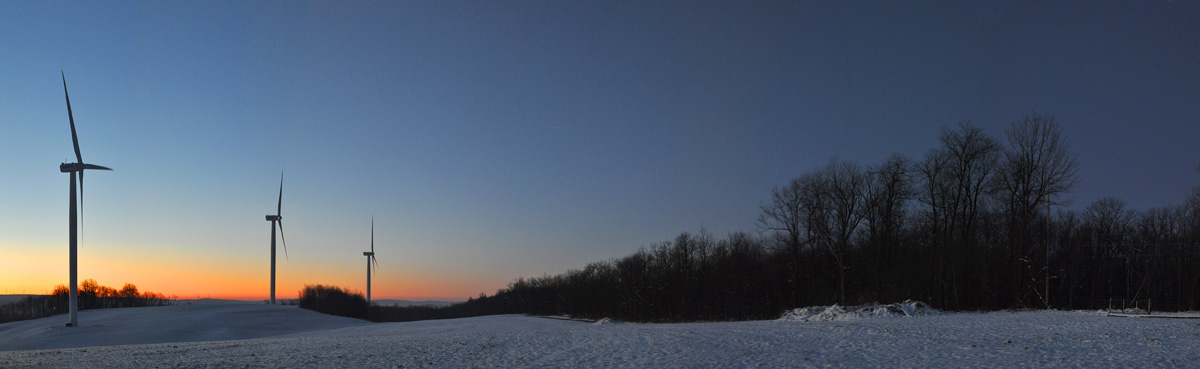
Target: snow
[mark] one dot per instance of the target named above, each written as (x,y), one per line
(604,321)
(838,313)
(159,324)
(1183,315)
(301,339)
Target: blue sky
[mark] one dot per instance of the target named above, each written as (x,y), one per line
(493,140)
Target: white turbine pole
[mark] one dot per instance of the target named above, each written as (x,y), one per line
(74,241)
(368,281)
(272,262)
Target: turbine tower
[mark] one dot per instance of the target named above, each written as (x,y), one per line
(371,262)
(277,219)
(77,166)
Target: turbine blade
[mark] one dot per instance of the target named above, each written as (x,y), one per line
(372,235)
(81,198)
(89,166)
(279,207)
(374,265)
(71,117)
(282,238)
(94,166)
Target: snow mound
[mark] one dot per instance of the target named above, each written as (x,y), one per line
(837,312)
(606,321)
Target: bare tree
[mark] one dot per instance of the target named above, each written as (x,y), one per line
(887,191)
(129,291)
(1108,224)
(784,216)
(846,183)
(972,159)
(888,188)
(1037,165)
(955,179)
(1109,220)
(801,216)
(1036,170)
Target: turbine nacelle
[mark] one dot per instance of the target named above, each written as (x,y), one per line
(78,167)
(372,264)
(272,218)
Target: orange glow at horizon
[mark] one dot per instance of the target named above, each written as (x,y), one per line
(190,275)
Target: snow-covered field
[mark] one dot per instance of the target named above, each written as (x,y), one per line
(160,324)
(277,336)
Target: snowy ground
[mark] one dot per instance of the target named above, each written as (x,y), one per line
(160,324)
(304,339)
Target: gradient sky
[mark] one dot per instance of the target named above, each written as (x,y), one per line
(493,140)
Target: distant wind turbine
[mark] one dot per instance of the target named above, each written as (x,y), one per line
(77,166)
(372,264)
(277,219)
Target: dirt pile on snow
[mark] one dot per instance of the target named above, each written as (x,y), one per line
(837,312)
(606,321)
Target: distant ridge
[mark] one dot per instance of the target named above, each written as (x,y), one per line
(6,299)
(208,301)
(403,303)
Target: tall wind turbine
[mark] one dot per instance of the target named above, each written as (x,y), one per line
(77,166)
(277,219)
(371,262)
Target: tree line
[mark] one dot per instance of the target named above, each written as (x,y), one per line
(333,300)
(978,223)
(92,295)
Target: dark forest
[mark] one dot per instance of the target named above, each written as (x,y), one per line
(978,223)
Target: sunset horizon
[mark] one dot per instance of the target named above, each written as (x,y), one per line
(599,184)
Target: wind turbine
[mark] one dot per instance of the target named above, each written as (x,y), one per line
(277,219)
(371,262)
(77,166)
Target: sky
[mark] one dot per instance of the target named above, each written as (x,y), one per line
(495,140)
